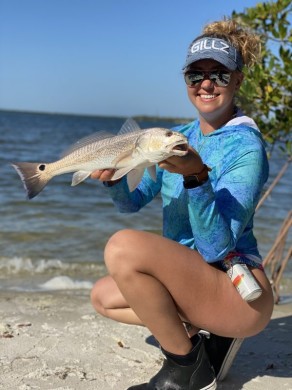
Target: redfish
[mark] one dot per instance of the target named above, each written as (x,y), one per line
(129,153)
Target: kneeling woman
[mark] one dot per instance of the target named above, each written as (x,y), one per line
(209,198)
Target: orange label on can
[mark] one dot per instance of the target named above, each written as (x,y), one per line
(237,280)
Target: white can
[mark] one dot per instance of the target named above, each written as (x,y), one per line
(244,281)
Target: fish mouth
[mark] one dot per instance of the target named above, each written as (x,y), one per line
(180,149)
(183,147)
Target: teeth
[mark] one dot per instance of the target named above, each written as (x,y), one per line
(208,96)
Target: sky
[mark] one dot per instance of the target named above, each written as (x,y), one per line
(101,57)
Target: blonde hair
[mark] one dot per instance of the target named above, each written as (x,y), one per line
(243,39)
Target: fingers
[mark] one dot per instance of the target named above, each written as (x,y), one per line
(166,164)
(186,165)
(102,174)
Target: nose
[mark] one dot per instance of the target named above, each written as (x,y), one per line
(207,83)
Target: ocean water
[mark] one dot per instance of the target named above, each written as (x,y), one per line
(56,240)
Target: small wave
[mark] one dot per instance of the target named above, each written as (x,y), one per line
(64,283)
(25,274)
(17,265)
(20,266)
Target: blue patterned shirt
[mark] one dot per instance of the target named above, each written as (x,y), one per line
(217,217)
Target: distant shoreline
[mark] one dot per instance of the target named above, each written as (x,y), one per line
(148,118)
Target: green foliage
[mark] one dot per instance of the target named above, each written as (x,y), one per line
(266,92)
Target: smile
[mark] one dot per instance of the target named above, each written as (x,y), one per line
(206,97)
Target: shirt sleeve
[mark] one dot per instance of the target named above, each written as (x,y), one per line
(219,214)
(130,202)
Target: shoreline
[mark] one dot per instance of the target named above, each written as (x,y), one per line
(55,341)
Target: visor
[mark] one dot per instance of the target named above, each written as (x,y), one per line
(214,49)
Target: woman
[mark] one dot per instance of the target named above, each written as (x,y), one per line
(209,197)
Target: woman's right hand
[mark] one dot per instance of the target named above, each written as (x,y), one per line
(104,175)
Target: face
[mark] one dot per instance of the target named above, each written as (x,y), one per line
(214,102)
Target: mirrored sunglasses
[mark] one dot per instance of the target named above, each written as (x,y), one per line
(219,77)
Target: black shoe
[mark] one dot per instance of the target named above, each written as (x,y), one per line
(172,376)
(221,352)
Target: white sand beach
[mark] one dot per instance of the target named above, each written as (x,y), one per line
(56,341)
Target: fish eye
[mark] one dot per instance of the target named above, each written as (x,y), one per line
(169,134)
(42,167)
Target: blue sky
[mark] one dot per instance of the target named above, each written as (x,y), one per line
(101,57)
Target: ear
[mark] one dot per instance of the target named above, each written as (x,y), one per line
(239,80)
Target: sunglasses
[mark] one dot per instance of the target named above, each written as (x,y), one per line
(219,77)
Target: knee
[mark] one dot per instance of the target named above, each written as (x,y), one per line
(97,297)
(118,249)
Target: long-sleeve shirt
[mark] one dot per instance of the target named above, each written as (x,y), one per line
(215,218)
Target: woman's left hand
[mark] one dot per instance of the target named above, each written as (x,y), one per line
(187,165)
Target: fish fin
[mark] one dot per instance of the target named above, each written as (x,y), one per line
(152,172)
(79,176)
(104,136)
(121,172)
(130,126)
(33,175)
(134,177)
(123,158)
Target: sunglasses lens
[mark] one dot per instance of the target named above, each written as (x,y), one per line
(220,78)
(194,78)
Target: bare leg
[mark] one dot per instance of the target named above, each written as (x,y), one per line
(107,300)
(159,278)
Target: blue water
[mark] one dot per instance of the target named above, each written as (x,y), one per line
(57,239)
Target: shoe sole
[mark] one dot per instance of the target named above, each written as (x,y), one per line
(229,357)
(211,386)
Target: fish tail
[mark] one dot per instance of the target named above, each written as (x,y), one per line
(34,177)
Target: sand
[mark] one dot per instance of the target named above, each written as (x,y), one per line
(56,341)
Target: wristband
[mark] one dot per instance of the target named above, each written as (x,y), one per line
(197,179)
